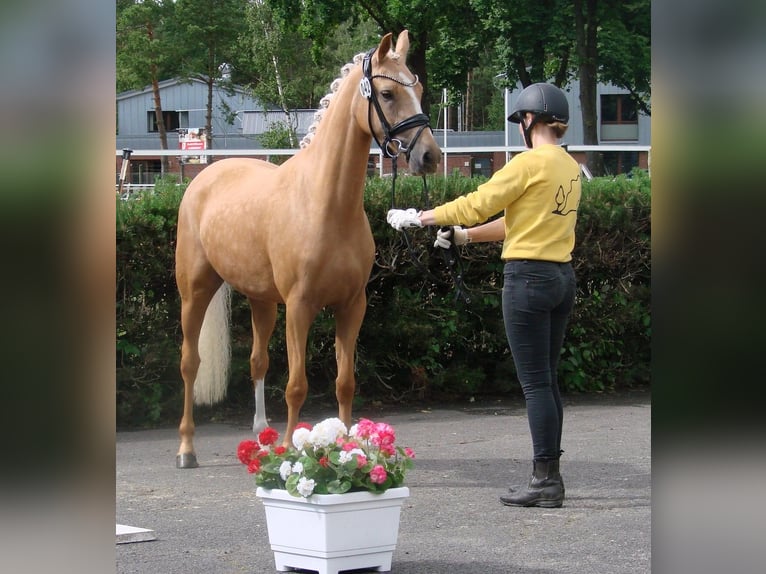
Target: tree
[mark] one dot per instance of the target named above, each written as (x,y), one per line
(205,33)
(586,25)
(613,45)
(533,39)
(144,54)
(424,19)
(624,46)
(272,52)
(552,40)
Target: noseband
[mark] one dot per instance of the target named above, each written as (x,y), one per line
(389,132)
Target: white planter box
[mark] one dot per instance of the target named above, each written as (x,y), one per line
(333,532)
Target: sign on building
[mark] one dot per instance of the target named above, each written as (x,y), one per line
(192,139)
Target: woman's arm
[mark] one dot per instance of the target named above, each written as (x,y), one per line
(491,231)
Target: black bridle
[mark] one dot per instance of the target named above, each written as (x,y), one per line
(451,255)
(421,120)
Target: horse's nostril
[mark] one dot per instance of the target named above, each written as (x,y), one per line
(431,159)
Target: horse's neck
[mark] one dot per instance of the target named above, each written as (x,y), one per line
(337,155)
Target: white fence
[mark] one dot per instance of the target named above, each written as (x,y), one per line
(508,150)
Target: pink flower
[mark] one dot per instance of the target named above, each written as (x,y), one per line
(384,435)
(409,452)
(351,445)
(361,460)
(268,436)
(324,462)
(387,450)
(365,428)
(303,426)
(247,450)
(378,474)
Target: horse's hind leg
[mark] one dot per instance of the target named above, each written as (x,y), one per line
(348,322)
(196,294)
(263,317)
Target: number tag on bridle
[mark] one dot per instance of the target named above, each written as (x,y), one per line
(365,88)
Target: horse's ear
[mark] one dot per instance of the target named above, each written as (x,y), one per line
(403,43)
(384,47)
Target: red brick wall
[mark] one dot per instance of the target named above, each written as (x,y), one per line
(460,163)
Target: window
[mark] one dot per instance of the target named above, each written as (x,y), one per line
(619,117)
(618,109)
(173,120)
(617,162)
(145,171)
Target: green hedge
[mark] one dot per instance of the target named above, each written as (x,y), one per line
(418,341)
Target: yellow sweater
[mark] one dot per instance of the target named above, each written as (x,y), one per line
(539,190)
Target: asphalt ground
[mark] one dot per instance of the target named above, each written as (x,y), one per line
(208,520)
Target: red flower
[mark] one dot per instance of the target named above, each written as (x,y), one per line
(268,436)
(247,450)
(279,450)
(303,426)
(254,466)
(324,462)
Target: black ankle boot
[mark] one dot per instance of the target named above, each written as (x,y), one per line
(517,488)
(545,488)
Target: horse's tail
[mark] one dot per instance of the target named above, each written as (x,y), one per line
(214,350)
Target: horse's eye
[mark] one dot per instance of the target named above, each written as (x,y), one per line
(387,95)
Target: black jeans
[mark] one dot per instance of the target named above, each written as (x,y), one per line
(538,297)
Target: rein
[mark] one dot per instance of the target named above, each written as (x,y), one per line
(451,256)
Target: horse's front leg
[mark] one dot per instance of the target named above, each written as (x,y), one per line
(263,317)
(298,319)
(348,322)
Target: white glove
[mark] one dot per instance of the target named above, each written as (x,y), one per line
(455,234)
(401,218)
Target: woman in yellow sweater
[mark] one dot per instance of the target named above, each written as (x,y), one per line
(538,192)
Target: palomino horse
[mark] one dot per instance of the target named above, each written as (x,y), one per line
(296,235)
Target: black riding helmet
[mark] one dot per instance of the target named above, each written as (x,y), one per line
(546,101)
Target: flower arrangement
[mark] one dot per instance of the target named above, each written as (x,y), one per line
(328,458)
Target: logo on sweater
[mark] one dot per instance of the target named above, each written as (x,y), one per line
(562,198)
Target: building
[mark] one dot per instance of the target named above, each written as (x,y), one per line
(184,109)
(238,120)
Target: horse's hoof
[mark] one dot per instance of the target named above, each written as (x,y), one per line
(186,460)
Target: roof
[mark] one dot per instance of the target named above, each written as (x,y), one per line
(174,82)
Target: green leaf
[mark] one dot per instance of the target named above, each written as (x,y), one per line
(338,486)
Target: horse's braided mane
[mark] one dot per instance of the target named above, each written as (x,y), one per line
(324,103)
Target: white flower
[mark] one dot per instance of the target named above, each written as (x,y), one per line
(285,469)
(300,438)
(327,432)
(298,467)
(305,486)
(346,456)
(353,430)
